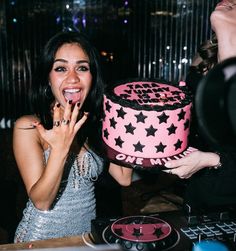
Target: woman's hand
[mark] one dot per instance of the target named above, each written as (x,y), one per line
(192,163)
(65,127)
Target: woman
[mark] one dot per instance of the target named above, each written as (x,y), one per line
(55,147)
(213,171)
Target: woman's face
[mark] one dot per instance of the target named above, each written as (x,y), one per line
(70,77)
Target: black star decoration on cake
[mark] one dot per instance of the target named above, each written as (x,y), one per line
(119,142)
(130,128)
(186,124)
(138,147)
(160,147)
(172,129)
(163,118)
(121,113)
(151,131)
(108,106)
(178,144)
(140,117)
(181,115)
(113,123)
(106,133)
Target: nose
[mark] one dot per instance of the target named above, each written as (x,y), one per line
(72,77)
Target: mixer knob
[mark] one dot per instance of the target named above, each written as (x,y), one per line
(127,245)
(140,246)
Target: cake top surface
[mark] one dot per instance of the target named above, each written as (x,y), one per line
(151,93)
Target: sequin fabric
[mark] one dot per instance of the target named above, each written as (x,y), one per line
(74,206)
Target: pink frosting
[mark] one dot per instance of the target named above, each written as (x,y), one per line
(148,93)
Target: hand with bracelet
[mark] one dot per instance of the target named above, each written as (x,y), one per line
(192,163)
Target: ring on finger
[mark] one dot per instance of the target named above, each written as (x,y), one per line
(56,123)
(65,121)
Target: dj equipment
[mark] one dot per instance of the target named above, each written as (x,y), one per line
(176,230)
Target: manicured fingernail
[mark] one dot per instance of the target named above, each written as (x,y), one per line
(58,105)
(86,113)
(78,104)
(167,164)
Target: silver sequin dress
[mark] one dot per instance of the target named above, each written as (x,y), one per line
(74,206)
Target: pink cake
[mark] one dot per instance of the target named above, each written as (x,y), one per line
(146,123)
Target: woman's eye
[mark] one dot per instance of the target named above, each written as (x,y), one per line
(83,68)
(59,69)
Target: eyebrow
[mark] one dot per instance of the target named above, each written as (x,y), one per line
(77,62)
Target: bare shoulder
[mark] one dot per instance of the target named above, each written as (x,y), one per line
(26,122)
(24,128)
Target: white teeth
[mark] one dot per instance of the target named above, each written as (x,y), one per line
(72,90)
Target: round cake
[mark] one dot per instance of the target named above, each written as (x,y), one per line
(146,123)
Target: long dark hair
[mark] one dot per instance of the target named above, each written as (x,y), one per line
(208,52)
(41,96)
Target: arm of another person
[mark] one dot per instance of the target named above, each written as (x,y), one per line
(192,163)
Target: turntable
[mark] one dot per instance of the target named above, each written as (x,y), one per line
(174,231)
(141,233)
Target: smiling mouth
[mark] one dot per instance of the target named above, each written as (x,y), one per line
(72,94)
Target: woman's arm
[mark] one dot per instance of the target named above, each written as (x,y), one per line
(41,179)
(123,175)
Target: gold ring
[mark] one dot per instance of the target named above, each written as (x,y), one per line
(56,123)
(65,121)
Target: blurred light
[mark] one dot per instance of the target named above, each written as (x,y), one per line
(179,66)
(167,47)
(161,13)
(14,20)
(104,53)
(185,48)
(84,21)
(126,2)
(154,62)
(174,61)
(67,6)
(125,21)
(58,19)
(160,60)
(184,60)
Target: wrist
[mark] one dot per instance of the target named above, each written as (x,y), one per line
(216,163)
